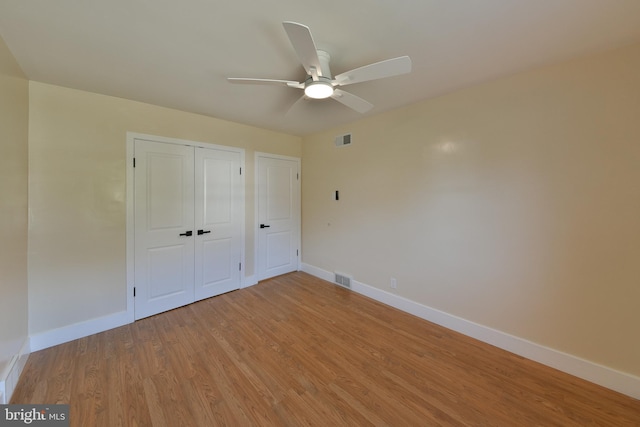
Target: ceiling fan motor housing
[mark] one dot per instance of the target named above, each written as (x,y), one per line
(324,59)
(318,84)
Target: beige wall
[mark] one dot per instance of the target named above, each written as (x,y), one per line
(77,144)
(513,204)
(14,113)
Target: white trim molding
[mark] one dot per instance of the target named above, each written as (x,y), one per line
(621,382)
(12,373)
(78,330)
(249,281)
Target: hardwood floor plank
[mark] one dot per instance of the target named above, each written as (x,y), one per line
(357,407)
(116,408)
(154,403)
(295,351)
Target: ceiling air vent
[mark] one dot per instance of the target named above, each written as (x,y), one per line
(343,280)
(343,140)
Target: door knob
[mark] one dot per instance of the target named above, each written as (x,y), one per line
(264,226)
(188,233)
(201,232)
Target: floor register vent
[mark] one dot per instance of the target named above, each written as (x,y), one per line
(343,280)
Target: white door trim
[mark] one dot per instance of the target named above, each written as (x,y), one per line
(130,259)
(298,208)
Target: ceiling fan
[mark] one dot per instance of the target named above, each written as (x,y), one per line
(319,84)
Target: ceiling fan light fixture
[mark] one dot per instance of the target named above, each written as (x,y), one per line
(318,90)
(319,84)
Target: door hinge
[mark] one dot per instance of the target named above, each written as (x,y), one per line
(297,252)
(297,177)
(240,171)
(239,266)
(134,162)
(134,291)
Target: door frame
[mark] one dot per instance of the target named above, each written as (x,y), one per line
(298,208)
(130,220)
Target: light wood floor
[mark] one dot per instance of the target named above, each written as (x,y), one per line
(295,350)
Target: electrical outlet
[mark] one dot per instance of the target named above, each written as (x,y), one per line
(394,283)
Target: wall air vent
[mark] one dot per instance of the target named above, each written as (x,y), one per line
(343,280)
(343,140)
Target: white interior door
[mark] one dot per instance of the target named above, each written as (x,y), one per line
(218,222)
(278,215)
(164,225)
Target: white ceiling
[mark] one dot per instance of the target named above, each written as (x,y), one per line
(178,53)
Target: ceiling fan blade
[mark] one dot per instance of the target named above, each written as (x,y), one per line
(352,101)
(379,70)
(297,104)
(250,81)
(302,42)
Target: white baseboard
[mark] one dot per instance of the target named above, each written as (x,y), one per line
(602,375)
(248,281)
(78,330)
(82,329)
(318,272)
(14,370)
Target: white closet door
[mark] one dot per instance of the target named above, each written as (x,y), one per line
(164,227)
(278,215)
(218,222)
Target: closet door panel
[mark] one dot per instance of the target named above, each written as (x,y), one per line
(218,222)
(164,216)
